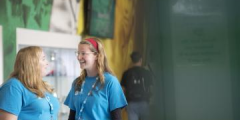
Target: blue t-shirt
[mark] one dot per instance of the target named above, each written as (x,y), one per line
(18,100)
(101,102)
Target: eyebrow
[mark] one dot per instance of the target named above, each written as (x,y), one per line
(84,51)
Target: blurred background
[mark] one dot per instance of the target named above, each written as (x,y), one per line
(191,47)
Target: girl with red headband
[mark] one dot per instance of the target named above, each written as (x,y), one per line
(96,94)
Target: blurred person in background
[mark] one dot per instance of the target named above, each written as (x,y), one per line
(25,96)
(136,82)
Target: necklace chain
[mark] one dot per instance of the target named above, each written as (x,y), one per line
(85,100)
(50,105)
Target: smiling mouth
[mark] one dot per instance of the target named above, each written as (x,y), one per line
(82,62)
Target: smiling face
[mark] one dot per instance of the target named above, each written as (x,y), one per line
(86,57)
(43,64)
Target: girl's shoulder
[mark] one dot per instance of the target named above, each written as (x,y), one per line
(75,82)
(14,82)
(109,78)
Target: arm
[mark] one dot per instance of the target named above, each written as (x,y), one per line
(123,82)
(124,90)
(116,114)
(11,95)
(72,115)
(7,116)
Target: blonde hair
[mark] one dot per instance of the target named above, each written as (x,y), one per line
(102,64)
(27,70)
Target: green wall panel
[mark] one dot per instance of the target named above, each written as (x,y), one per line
(31,14)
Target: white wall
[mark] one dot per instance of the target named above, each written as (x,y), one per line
(46,39)
(1,56)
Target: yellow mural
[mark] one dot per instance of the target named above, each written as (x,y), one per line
(80,23)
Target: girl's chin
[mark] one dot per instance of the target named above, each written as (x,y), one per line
(82,65)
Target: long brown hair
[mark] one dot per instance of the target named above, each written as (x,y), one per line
(102,64)
(28,71)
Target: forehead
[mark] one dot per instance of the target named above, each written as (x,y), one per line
(42,54)
(84,47)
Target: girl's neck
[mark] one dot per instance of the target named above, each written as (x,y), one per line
(92,73)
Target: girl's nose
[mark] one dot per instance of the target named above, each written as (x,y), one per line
(79,57)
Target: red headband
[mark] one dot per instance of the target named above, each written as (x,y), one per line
(93,42)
